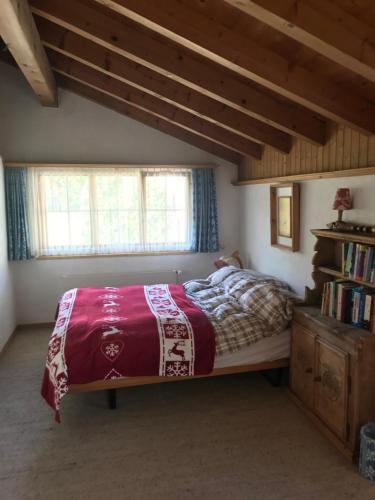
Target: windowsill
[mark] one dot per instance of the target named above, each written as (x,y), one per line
(129,254)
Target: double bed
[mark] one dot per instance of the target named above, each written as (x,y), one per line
(234,321)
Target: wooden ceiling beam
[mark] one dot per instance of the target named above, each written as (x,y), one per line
(147,80)
(18,30)
(181,66)
(184,24)
(322,26)
(153,105)
(147,119)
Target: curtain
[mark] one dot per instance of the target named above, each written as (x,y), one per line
(16,213)
(205,223)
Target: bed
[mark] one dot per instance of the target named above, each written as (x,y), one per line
(234,321)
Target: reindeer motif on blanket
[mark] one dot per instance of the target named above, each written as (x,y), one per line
(111,330)
(110,303)
(176,351)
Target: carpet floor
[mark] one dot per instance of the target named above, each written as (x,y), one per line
(232,437)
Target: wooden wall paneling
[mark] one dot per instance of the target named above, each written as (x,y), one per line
(332,152)
(371,150)
(346,149)
(363,143)
(354,161)
(340,147)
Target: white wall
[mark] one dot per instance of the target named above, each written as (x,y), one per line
(316,201)
(81,131)
(7,312)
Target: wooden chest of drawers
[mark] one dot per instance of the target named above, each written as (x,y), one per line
(332,376)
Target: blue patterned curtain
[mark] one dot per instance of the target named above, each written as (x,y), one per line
(16,211)
(205,224)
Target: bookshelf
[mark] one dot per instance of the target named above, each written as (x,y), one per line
(332,368)
(327,261)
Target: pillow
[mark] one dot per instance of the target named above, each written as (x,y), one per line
(221,274)
(229,260)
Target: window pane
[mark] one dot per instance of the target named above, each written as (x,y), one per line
(128,192)
(56,195)
(78,192)
(58,229)
(116,192)
(155,191)
(156,226)
(176,191)
(118,227)
(106,192)
(129,227)
(86,212)
(176,226)
(80,234)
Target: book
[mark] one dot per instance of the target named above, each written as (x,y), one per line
(362,249)
(344,256)
(349,257)
(369,304)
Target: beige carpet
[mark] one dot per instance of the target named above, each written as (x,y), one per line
(232,437)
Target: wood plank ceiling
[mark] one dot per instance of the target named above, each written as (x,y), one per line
(227,76)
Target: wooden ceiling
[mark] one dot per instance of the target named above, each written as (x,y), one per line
(228,76)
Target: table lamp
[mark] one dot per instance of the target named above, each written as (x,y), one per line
(343,201)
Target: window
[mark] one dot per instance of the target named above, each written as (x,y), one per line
(101,211)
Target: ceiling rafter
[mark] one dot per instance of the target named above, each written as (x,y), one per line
(182,66)
(322,26)
(153,105)
(18,30)
(147,80)
(248,58)
(147,119)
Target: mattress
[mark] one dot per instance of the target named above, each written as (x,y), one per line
(267,349)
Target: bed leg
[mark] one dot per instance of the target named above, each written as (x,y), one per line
(274,377)
(112,399)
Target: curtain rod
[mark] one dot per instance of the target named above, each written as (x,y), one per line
(102,165)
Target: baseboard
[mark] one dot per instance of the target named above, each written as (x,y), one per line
(6,345)
(23,327)
(28,326)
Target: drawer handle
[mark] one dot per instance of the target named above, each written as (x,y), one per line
(308,370)
(317,379)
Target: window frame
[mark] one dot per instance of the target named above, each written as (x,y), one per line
(40,214)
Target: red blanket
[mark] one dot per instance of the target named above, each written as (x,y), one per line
(107,333)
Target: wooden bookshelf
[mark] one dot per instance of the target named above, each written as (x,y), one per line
(363,238)
(338,274)
(332,369)
(327,260)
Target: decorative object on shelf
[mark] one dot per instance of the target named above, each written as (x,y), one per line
(350,227)
(284,213)
(343,201)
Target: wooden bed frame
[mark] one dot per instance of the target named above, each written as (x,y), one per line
(113,384)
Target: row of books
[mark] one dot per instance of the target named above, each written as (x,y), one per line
(358,262)
(349,303)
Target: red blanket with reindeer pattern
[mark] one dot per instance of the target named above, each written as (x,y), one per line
(107,333)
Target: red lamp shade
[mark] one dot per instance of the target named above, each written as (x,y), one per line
(343,200)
